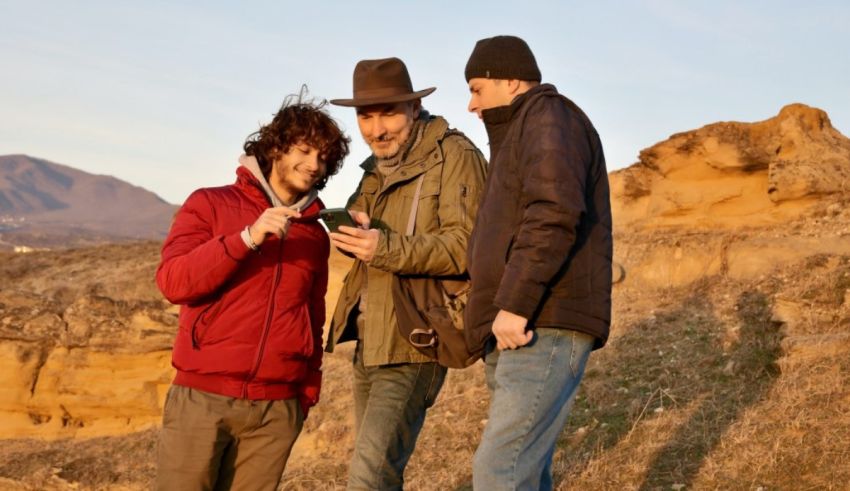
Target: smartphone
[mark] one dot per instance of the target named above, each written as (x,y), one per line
(334,217)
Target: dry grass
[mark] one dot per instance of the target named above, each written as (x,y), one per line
(444,450)
(697,393)
(657,401)
(699,388)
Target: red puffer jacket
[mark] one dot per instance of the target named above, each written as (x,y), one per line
(250,322)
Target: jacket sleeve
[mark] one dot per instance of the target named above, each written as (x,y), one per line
(308,393)
(554,156)
(195,262)
(443,252)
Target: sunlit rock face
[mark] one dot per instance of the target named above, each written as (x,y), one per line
(734,174)
(85,342)
(733,199)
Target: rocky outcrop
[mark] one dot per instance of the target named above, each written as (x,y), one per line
(734,199)
(734,175)
(85,342)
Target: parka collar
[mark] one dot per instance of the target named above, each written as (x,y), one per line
(498,119)
(502,114)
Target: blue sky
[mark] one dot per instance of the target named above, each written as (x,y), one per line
(163,94)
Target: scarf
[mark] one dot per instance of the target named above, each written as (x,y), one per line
(388,166)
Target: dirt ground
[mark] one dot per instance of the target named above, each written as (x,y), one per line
(721,385)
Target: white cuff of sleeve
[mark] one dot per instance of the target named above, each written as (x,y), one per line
(246,238)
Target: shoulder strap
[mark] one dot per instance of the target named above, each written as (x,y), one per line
(411,220)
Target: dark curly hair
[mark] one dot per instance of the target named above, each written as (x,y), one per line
(299,120)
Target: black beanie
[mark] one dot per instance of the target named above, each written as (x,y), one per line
(502,57)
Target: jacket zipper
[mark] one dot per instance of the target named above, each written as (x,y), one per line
(258,358)
(463,192)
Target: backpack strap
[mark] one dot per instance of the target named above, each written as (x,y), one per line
(414,207)
(411,220)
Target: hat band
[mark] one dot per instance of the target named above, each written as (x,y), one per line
(381,92)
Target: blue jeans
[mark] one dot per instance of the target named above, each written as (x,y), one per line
(532,390)
(389,410)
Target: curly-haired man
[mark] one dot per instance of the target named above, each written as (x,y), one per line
(248,263)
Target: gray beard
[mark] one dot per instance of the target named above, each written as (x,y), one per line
(387,166)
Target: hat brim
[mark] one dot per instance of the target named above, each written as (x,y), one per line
(371,101)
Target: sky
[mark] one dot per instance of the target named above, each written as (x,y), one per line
(163,94)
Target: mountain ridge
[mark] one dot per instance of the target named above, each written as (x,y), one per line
(46,204)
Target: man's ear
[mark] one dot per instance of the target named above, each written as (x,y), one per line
(513,87)
(417,108)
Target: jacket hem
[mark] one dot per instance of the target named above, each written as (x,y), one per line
(372,359)
(233,387)
(595,328)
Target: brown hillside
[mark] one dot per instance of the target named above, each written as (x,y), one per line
(728,365)
(43,204)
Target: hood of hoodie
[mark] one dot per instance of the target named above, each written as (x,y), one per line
(249,171)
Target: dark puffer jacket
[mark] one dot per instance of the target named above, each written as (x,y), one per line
(542,247)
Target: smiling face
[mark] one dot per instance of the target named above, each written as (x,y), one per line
(487,93)
(296,171)
(385,127)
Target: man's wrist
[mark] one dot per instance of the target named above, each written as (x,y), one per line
(381,257)
(248,239)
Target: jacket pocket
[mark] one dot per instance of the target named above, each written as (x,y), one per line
(427,219)
(509,248)
(292,333)
(365,199)
(201,324)
(288,347)
(463,205)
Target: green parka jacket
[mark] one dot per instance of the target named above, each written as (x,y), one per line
(454,172)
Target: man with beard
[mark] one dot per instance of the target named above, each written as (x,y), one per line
(417,158)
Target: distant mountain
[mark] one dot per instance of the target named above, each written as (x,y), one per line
(43,204)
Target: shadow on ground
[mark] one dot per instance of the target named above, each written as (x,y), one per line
(676,358)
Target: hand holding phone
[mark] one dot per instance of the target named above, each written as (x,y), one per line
(334,217)
(361,241)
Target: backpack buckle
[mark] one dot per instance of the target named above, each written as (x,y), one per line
(422,332)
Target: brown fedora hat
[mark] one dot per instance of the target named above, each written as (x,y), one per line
(384,81)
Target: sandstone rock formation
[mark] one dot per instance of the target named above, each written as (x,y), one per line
(85,339)
(735,175)
(735,199)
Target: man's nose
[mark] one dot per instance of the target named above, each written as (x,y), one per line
(312,161)
(471,107)
(378,127)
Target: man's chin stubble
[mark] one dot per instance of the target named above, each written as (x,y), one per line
(384,154)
